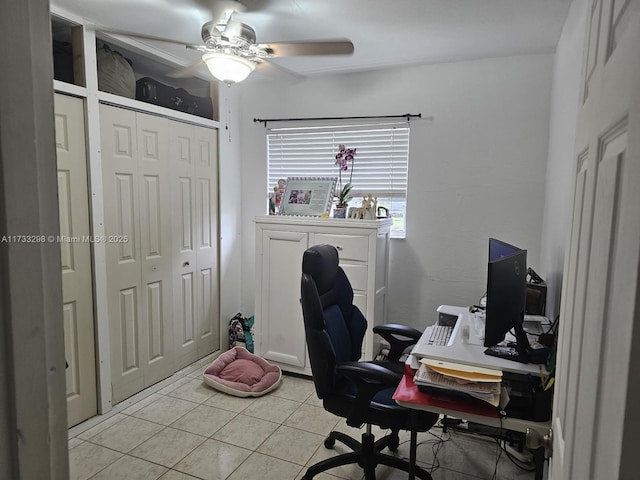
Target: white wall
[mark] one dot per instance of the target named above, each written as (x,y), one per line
(561,167)
(476,170)
(230,210)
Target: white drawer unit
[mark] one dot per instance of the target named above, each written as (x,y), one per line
(363,248)
(350,247)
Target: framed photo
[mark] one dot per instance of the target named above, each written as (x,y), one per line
(308,196)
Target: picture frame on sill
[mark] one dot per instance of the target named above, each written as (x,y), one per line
(308,196)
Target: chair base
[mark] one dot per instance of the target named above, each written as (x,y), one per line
(367,454)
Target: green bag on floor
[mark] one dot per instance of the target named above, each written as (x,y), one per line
(241,332)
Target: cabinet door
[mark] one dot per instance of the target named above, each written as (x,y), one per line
(282,337)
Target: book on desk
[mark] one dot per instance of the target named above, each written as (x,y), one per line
(439,377)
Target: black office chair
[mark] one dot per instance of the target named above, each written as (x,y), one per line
(358,391)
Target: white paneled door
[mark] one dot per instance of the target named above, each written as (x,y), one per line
(206,154)
(138,226)
(161,209)
(595,414)
(75,247)
(194,180)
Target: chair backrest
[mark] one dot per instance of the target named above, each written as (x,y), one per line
(334,327)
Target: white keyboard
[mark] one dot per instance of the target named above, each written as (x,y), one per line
(438,335)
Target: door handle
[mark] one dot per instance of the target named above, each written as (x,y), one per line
(533,439)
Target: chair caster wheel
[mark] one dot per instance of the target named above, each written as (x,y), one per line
(329,442)
(394,443)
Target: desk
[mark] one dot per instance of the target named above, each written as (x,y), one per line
(471,352)
(408,396)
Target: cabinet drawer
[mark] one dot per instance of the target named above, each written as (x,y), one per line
(357,275)
(350,247)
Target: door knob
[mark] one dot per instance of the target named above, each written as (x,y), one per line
(185,264)
(534,439)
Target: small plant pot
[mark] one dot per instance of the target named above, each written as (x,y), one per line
(340,212)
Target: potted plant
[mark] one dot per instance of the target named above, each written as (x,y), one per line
(343,201)
(343,195)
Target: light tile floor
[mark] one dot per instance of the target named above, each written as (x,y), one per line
(180,429)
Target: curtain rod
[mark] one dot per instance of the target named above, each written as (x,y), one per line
(408,116)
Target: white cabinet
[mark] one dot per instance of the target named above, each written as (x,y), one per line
(363,248)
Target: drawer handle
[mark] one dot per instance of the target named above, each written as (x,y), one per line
(339,247)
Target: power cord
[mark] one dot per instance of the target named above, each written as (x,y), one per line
(498,453)
(436,443)
(515,461)
(435,448)
(445,436)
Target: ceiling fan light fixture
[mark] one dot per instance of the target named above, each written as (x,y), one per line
(227,67)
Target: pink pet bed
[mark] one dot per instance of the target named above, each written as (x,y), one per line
(243,374)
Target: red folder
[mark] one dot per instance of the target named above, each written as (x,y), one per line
(408,392)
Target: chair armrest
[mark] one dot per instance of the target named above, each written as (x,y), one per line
(369,379)
(370,373)
(392,333)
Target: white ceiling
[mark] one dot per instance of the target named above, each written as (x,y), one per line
(385,33)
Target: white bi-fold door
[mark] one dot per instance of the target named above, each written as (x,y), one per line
(148,327)
(194,177)
(75,249)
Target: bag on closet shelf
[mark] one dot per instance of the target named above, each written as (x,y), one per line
(152,91)
(115,74)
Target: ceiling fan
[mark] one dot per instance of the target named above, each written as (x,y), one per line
(231,52)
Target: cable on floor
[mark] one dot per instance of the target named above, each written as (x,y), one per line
(516,462)
(498,452)
(435,446)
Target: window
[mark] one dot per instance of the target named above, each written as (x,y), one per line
(380,167)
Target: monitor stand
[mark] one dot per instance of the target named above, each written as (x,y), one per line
(519,353)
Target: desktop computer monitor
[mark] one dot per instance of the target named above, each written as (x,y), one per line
(506,295)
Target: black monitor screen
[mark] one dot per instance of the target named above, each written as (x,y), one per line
(506,291)
(499,249)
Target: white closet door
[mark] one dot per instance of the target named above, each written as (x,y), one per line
(206,187)
(124,272)
(138,227)
(160,188)
(182,161)
(194,169)
(155,247)
(77,292)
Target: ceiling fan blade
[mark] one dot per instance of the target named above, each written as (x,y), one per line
(319,47)
(240,6)
(272,69)
(142,36)
(187,71)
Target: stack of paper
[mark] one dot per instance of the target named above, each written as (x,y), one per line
(455,378)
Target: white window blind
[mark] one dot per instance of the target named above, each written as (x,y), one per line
(380,167)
